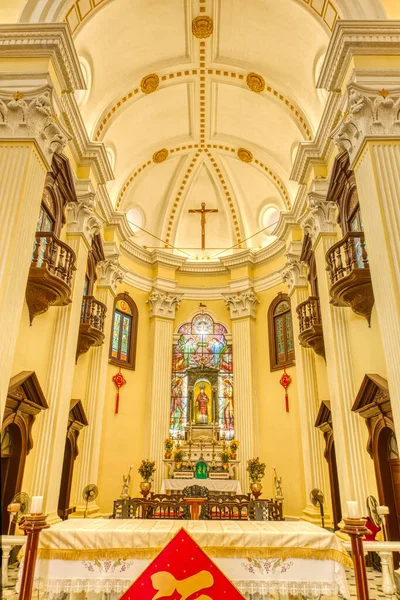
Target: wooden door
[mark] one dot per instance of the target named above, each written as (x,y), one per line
(387,468)
(334,484)
(12,469)
(66,480)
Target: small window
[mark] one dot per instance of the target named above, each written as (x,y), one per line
(124,332)
(45,221)
(280,332)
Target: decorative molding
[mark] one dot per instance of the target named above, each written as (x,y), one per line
(294,273)
(369,114)
(160,156)
(356,37)
(150,83)
(31,115)
(202,26)
(82,219)
(255,82)
(162,304)
(52,40)
(245,155)
(110,275)
(242,305)
(321,215)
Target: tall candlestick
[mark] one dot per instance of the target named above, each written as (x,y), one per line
(36,505)
(353,510)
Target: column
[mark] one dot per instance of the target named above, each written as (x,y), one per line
(242,307)
(29,135)
(82,225)
(87,465)
(162,315)
(371,135)
(294,275)
(320,223)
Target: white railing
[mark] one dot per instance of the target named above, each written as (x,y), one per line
(8,542)
(385,551)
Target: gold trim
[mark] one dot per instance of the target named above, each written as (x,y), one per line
(202,26)
(256,82)
(149,83)
(245,155)
(284,552)
(160,156)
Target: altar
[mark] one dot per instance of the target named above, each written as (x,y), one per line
(259,557)
(221,486)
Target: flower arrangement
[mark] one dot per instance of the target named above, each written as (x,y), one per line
(225,456)
(168,444)
(234,445)
(179,454)
(146,469)
(255,469)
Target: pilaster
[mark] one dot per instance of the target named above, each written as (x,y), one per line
(242,307)
(295,276)
(348,439)
(163,306)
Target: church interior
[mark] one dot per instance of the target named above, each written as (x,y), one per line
(198,330)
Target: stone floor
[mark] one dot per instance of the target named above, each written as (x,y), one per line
(374,580)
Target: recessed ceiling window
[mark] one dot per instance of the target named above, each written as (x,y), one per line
(270,218)
(135,219)
(82,95)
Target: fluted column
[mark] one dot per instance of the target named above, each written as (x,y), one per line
(320,223)
(29,136)
(294,275)
(162,315)
(87,465)
(371,135)
(58,386)
(242,307)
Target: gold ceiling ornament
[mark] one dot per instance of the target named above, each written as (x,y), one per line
(149,83)
(255,82)
(384,93)
(18,95)
(160,156)
(202,26)
(245,155)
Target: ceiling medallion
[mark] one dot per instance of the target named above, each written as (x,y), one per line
(245,155)
(160,155)
(149,83)
(256,82)
(202,26)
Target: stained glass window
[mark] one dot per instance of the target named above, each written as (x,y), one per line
(124,329)
(202,372)
(281,344)
(44,223)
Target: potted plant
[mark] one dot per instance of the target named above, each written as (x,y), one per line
(168,446)
(233,445)
(178,457)
(256,471)
(146,471)
(225,456)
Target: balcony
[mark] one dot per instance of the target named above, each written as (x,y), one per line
(91,328)
(50,274)
(311,334)
(350,275)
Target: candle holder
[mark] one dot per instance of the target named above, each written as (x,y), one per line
(356,529)
(33,525)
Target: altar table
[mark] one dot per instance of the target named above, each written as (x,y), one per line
(226,486)
(259,557)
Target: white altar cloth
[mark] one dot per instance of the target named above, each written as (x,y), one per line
(227,486)
(260,557)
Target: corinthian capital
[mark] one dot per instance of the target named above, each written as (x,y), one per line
(369,114)
(320,216)
(163,304)
(243,304)
(294,273)
(31,116)
(109,273)
(81,215)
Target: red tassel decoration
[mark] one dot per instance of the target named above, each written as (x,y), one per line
(285,381)
(119,381)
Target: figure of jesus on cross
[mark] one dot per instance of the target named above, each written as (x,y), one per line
(203,212)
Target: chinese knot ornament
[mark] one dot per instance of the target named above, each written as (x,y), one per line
(119,381)
(285,381)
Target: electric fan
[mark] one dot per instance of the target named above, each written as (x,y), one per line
(317,499)
(89,494)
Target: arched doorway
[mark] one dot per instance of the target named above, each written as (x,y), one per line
(24,402)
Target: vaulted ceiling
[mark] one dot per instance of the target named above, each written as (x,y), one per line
(200,101)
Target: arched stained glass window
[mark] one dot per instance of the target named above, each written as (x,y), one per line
(124,332)
(280,330)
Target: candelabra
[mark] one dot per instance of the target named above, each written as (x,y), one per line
(33,525)
(356,529)
(213,446)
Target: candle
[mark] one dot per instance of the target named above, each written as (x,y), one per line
(36,505)
(353,510)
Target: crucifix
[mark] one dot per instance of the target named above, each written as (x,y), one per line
(203,212)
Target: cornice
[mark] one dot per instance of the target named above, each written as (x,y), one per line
(356,37)
(51,40)
(314,153)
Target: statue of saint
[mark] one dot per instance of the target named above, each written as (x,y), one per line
(202,410)
(126,479)
(228,408)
